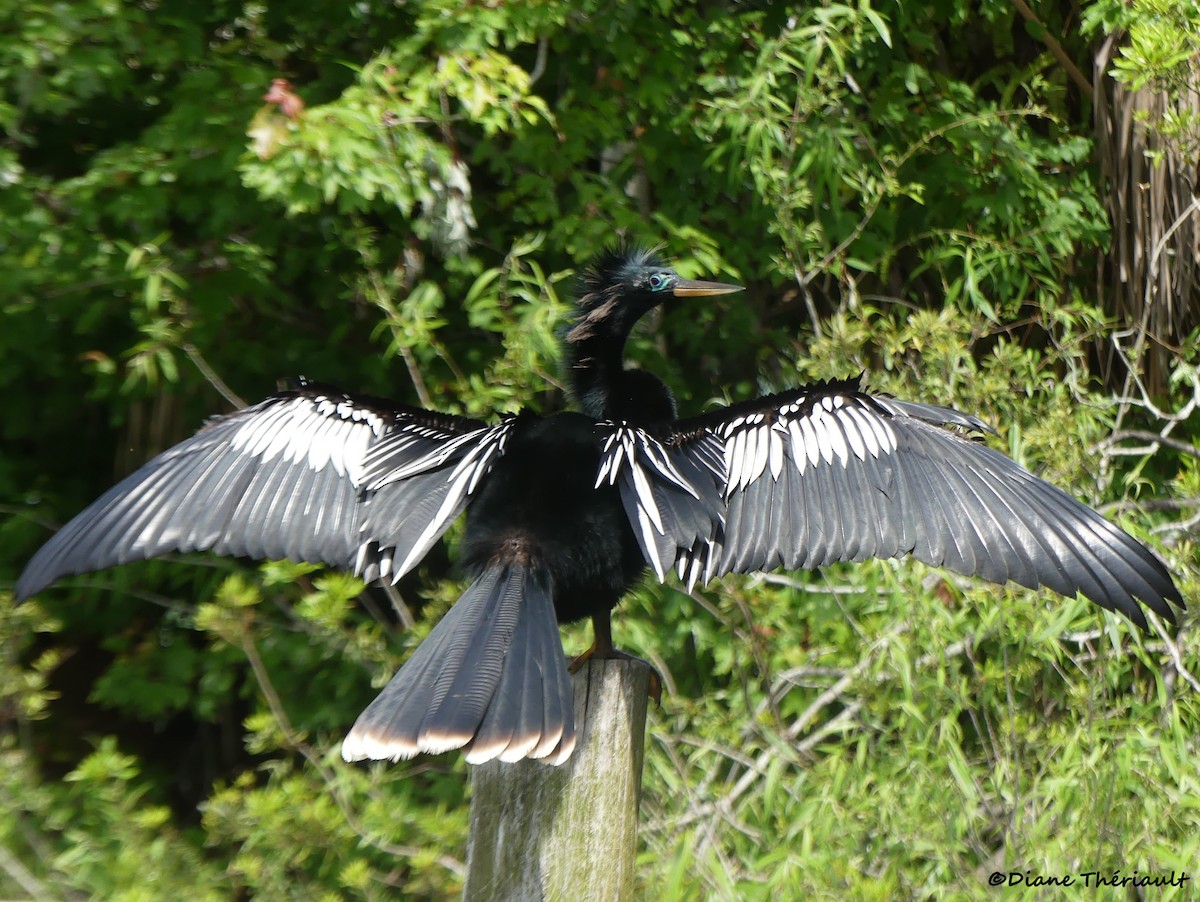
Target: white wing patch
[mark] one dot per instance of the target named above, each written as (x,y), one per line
(638,447)
(832,429)
(716,460)
(401,454)
(853,476)
(472,454)
(326,431)
(655,490)
(318,431)
(482,447)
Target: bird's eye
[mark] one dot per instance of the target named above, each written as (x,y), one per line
(658,282)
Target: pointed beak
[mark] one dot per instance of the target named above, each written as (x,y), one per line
(689,288)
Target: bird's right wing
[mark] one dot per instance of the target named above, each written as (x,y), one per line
(671,483)
(828,473)
(311,474)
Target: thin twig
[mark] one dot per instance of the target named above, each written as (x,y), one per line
(414,373)
(210,374)
(1153,437)
(761,763)
(539,65)
(22,876)
(1173,651)
(295,741)
(1056,48)
(403,612)
(1149,505)
(1182,526)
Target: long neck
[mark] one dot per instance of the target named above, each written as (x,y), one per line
(594,367)
(605,390)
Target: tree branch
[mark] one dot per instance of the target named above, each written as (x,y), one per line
(1056,48)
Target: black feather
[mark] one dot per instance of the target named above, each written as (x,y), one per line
(480,681)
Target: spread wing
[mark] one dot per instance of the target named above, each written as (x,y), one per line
(312,474)
(828,473)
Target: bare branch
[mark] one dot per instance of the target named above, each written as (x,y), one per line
(1055,48)
(296,741)
(210,374)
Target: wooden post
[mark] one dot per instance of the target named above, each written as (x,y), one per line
(566,833)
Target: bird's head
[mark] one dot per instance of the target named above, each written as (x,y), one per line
(622,286)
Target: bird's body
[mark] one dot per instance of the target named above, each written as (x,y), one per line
(541,504)
(566,512)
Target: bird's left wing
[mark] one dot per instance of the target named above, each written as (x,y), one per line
(310,474)
(829,473)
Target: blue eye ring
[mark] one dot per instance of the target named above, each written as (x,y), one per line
(658,282)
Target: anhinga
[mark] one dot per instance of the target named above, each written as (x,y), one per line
(565,512)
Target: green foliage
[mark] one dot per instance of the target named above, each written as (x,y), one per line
(837,713)
(1158,53)
(914,181)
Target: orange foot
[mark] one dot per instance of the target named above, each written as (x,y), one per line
(602,649)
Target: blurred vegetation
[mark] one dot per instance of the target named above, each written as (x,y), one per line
(904,188)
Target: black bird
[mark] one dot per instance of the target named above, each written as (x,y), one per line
(565,512)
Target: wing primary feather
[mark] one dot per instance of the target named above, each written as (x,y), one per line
(876,477)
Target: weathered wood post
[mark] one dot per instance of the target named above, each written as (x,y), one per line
(566,833)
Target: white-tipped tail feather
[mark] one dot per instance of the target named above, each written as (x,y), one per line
(490,679)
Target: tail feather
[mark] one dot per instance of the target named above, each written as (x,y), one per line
(472,671)
(505,732)
(390,727)
(555,749)
(491,678)
(524,720)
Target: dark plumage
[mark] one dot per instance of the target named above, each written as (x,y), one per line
(565,512)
